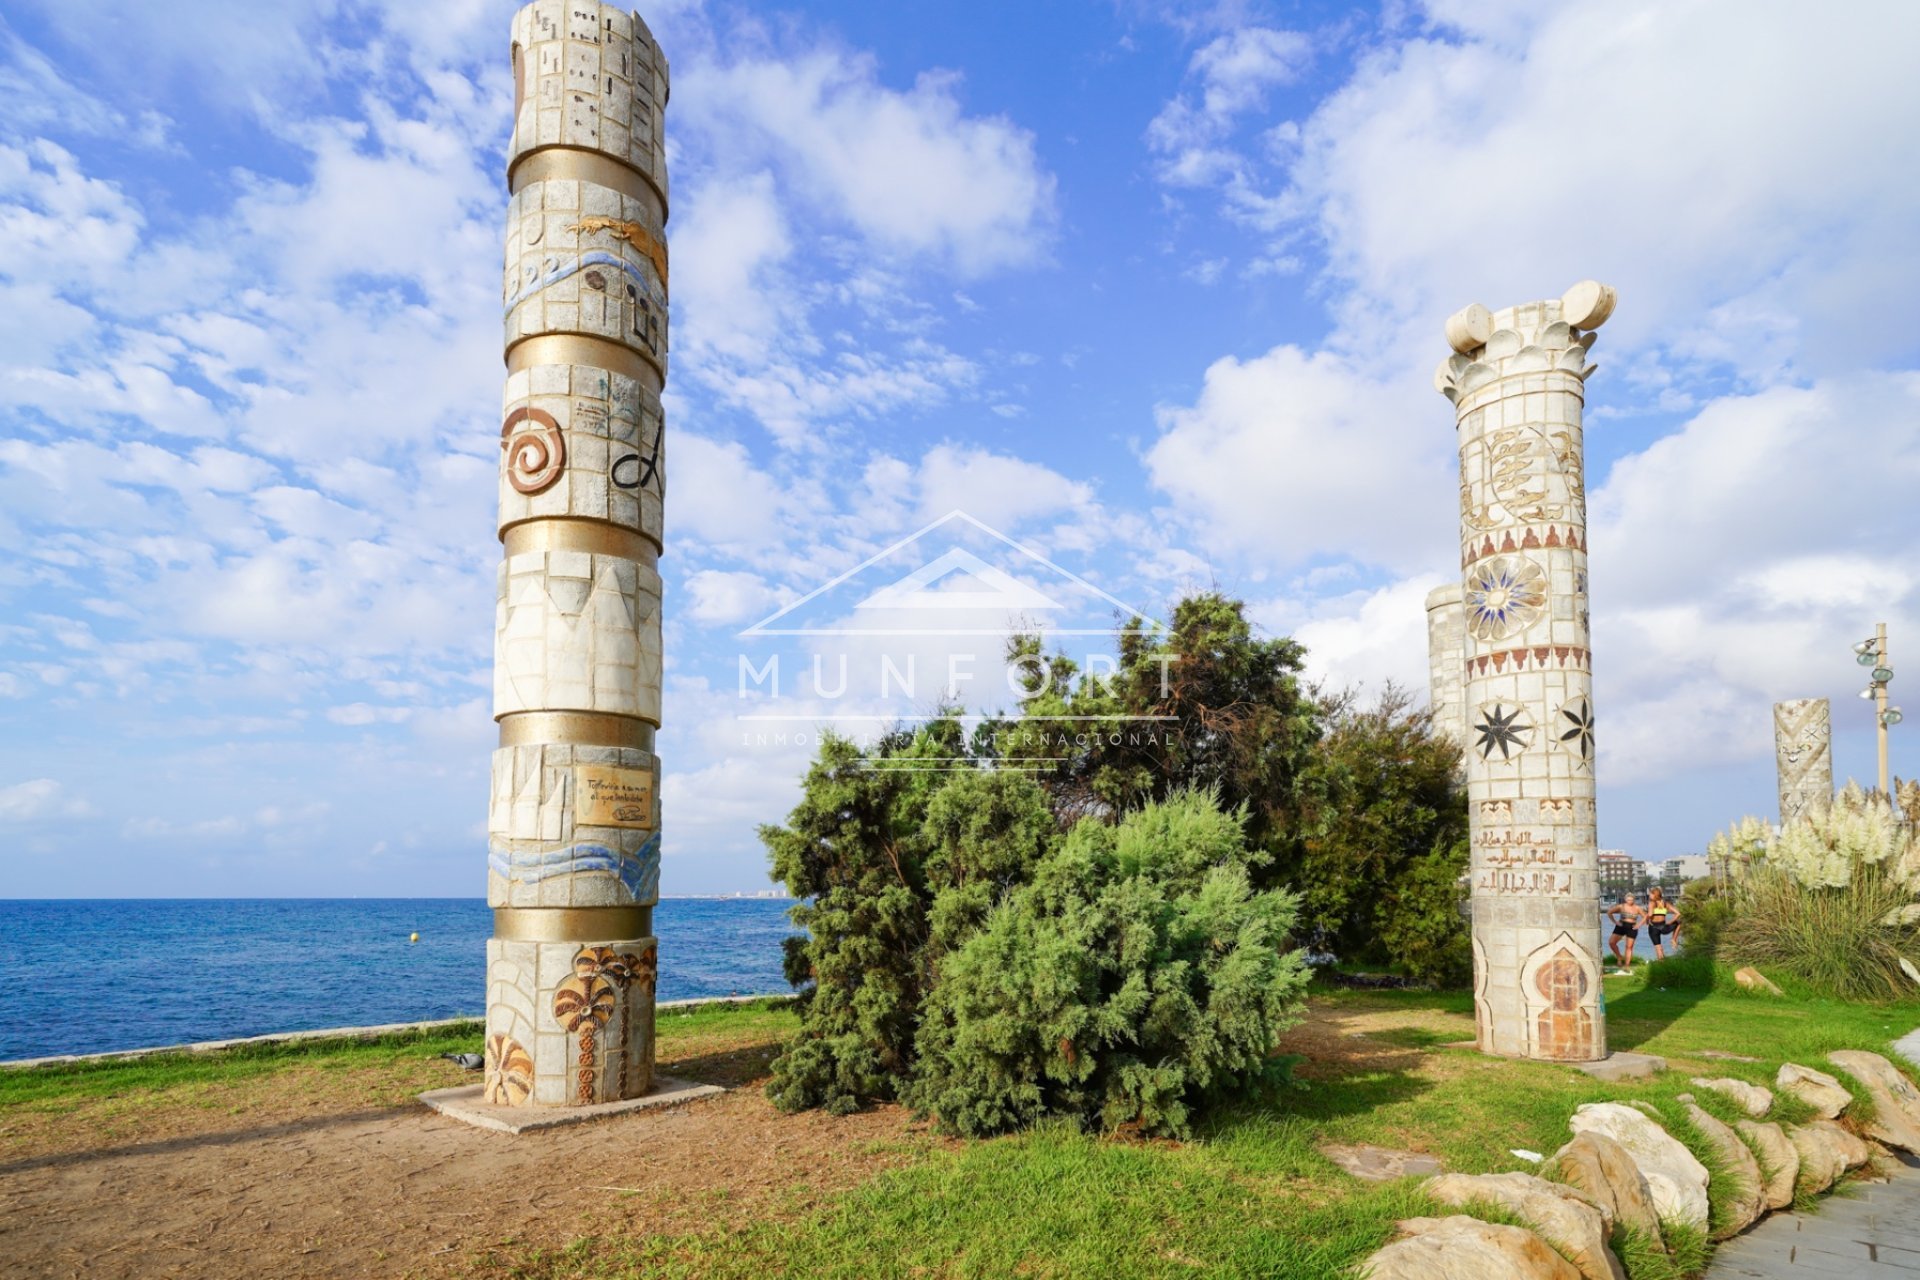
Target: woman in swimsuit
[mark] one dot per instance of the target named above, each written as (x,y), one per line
(1662,919)
(1626,915)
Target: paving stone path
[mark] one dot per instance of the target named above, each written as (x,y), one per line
(1869,1233)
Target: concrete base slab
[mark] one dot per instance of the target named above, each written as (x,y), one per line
(465,1104)
(1623,1066)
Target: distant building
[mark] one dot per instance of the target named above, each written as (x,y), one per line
(1619,870)
(1690,866)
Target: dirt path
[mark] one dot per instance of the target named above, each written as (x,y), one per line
(402,1191)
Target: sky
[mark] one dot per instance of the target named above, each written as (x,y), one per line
(1152,292)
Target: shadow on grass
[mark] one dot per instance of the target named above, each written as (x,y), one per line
(1638,1016)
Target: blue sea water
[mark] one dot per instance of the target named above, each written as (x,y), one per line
(90,976)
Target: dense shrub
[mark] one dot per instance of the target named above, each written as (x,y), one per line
(1832,900)
(887,860)
(1421,925)
(1137,975)
(927,885)
(1353,803)
(1382,841)
(1706,908)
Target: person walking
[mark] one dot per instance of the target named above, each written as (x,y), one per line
(1626,915)
(1663,919)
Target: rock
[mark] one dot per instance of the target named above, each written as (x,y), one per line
(1853,1149)
(1463,1248)
(1896,1103)
(1560,1215)
(1381,1164)
(1748,1203)
(1826,1151)
(1720,1055)
(1827,1096)
(1754,980)
(1623,1066)
(1779,1159)
(1603,1171)
(1677,1180)
(1908,1047)
(1753,1099)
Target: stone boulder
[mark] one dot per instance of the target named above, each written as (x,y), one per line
(1561,1215)
(1779,1159)
(1827,1096)
(1601,1170)
(1751,979)
(1677,1180)
(1753,1099)
(1380,1164)
(1463,1248)
(1896,1103)
(1826,1151)
(1748,1203)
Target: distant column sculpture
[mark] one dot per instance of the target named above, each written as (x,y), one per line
(573,848)
(1517,380)
(1803,753)
(1446,652)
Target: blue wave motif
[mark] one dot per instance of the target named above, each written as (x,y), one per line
(639,872)
(593,258)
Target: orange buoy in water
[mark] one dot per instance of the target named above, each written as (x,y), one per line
(413,938)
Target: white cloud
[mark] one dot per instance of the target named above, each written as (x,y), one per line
(360,713)
(1233,74)
(38,798)
(1290,455)
(1735,561)
(910,170)
(997,489)
(1640,145)
(721,597)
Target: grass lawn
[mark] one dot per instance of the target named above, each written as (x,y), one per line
(1250,1196)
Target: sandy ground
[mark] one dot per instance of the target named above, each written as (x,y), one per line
(304,1186)
(332,1174)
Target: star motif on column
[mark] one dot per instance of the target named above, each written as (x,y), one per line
(1503,728)
(1576,729)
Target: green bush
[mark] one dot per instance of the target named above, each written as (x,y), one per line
(1138,975)
(1420,922)
(1706,907)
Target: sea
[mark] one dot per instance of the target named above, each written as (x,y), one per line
(80,976)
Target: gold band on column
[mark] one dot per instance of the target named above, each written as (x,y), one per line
(575,728)
(585,348)
(575,533)
(572,924)
(567,163)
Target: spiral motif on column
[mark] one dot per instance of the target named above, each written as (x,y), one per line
(535,458)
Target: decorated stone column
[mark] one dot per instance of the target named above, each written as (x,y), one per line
(1803,754)
(574,833)
(1446,651)
(1517,381)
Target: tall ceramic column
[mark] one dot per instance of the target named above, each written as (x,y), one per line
(574,833)
(1446,650)
(1517,381)
(1803,755)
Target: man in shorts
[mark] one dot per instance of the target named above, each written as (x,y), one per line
(1626,915)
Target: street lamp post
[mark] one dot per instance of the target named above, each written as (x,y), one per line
(1873,653)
